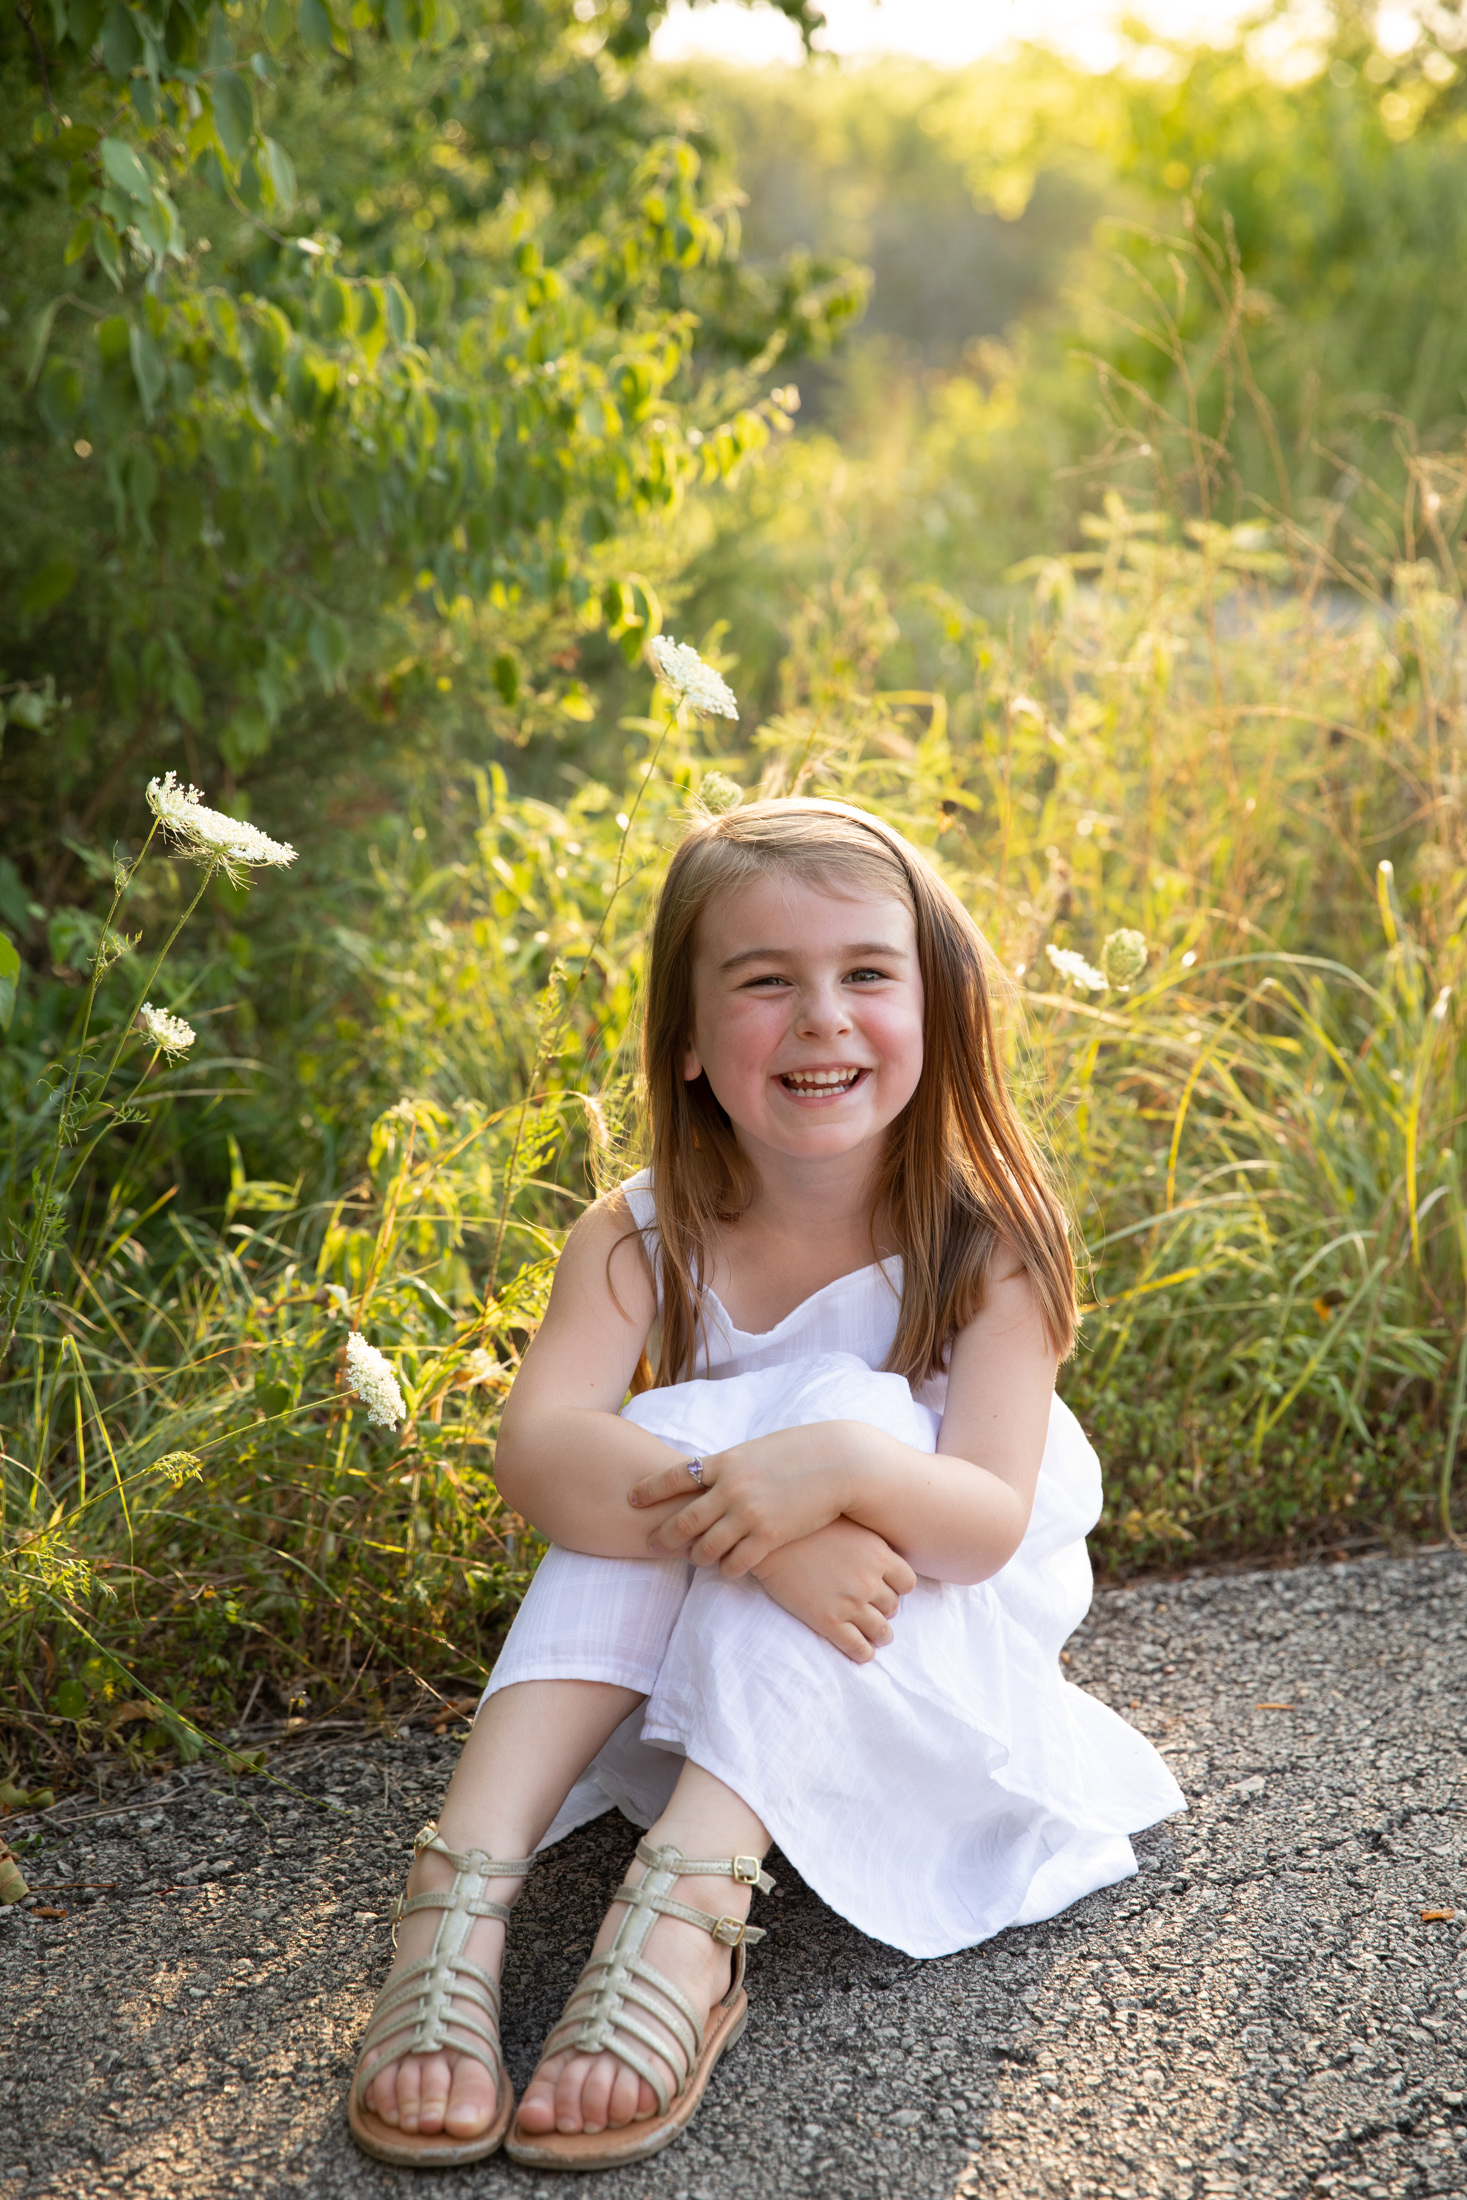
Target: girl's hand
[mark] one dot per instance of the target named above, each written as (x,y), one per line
(844,1582)
(754,1498)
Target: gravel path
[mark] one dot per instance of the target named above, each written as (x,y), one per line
(1263,2011)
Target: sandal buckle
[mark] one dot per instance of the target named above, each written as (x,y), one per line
(746,1870)
(729,1931)
(427,1832)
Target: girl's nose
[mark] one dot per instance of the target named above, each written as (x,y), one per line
(822,1013)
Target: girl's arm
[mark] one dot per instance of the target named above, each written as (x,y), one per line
(565,1458)
(958,1515)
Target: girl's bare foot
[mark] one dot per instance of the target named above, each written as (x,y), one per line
(571,2092)
(449,2092)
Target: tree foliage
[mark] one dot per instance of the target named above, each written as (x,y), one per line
(314,323)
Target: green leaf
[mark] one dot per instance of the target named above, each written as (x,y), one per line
(122,48)
(124,168)
(142,486)
(371,320)
(400,316)
(188,697)
(108,251)
(9,979)
(280,175)
(84,20)
(321,36)
(399,30)
(440,1313)
(148,370)
(60,396)
(47,586)
(335,306)
(234,113)
(113,337)
(69,1700)
(223,321)
(327,644)
(276,20)
(506,676)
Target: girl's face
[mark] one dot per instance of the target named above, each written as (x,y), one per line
(807,1015)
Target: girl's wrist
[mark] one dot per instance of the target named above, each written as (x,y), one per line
(856,1471)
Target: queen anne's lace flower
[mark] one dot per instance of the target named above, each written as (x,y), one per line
(1076,969)
(681,668)
(1123,957)
(208,836)
(370,1376)
(169,1034)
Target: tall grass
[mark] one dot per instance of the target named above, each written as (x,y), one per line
(1239,734)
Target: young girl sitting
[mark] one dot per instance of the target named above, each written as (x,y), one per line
(810,1584)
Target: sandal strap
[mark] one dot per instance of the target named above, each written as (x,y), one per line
(729,1932)
(619,1989)
(404,1905)
(471,1860)
(415,2014)
(747,1870)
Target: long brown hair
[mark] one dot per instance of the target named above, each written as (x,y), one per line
(960,1171)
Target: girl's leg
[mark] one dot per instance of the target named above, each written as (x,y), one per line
(704,1818)
(529,1744)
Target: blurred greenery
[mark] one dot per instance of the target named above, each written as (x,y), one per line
(1116,554)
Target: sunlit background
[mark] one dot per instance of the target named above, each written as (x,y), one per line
(955,32)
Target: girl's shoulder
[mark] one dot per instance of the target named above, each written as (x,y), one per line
(634,1199)
(607,1256)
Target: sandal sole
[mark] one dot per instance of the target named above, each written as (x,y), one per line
(592,2150)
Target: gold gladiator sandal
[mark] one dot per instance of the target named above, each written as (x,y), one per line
(616,1993)
(414,2013)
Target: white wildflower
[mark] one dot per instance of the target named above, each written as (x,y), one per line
(169,1034)
(208,836)
(479,1366)
(1077,970)
(1123,957)
(371,1377)
(681,668)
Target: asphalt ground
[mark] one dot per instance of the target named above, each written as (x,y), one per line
(1264,2010)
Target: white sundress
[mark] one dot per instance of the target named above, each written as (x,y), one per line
(954,1785)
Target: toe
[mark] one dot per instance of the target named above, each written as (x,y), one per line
(537,2109)
(381,2094)
(434,2084)
(596,2094)
(626,2096)
(407,2094)
(472,2100)
(569,2088)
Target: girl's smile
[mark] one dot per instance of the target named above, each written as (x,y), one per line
(807,1015)
(819,1086)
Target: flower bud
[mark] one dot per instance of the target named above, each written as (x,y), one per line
(1123,957)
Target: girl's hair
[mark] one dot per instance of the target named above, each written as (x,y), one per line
(960,1172)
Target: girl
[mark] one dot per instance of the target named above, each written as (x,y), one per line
(811,1584)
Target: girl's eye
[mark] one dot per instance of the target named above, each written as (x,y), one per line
(863,975)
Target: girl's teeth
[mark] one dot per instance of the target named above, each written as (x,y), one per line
(833,1081)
